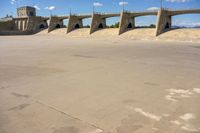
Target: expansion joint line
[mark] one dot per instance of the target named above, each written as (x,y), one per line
(62,112)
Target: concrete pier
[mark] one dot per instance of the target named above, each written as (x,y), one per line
(98,22)
(126,22)
(76,21)
(164,21)
(56,22)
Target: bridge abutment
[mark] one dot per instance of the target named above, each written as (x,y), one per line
(164,22)
(35,24)
(98,22)
(126,22)
(74,23)
(55,23)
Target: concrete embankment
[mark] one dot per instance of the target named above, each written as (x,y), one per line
(186,35)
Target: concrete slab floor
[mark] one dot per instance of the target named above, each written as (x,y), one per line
(91,85)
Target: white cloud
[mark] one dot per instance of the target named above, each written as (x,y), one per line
(51,8)
(182,1)
(97,4)
(123,3)
(183,23)
(36,7)
(195,25)
(13,2)
(153,8)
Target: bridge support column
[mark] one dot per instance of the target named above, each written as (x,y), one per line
(126,22)
(97,23)
(54,23)
(74,23)
(164,22)
(34,24)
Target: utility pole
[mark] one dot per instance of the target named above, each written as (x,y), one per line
(93,8)
(33,2)
(123,5)
(50,12)
(161,4)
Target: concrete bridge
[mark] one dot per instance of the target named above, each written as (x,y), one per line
(127,21)
(76,21)
(56,22)
(99,21)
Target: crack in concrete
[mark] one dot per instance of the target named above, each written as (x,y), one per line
(62,112)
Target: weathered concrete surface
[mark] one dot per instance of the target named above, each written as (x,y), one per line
(98,22)
(89,85)
(126,22)
(54,23)
(24,26)
(164,22)
(74,23)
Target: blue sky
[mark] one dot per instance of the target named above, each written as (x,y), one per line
(62,7)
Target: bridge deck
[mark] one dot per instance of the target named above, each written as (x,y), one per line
(179,12)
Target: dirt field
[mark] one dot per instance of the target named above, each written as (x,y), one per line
(61,84)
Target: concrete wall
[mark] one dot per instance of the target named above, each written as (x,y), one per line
(22,26)
(35,23)
(96,21)
(54,21)
(73,22)
(125,20)
(12,32)
(7,25)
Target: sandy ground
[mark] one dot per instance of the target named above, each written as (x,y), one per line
(178,35)
(56,84)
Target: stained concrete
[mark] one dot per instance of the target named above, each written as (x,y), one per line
(127,22)
(112,85)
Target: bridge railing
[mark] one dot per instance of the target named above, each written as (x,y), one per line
(183,9)
(100,13)
(85,14)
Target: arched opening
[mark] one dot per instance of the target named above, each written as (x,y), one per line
(65,23)
(129,26)
(146,21)
(112,22)
(42,26)
(86,22)
(100,26)
(57,26)
(167,26)
(31,14)
(77,26)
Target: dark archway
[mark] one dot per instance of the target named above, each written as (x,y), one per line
(129,26)
(77,26)
(42,26)
(57,26)
(167,26)
(100,26)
